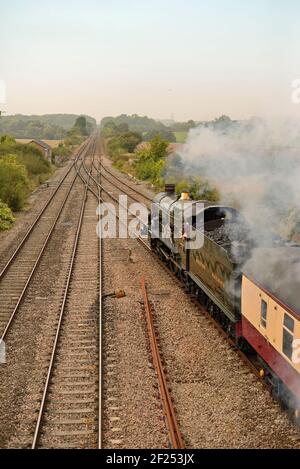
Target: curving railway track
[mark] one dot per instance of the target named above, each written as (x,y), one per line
(113,179)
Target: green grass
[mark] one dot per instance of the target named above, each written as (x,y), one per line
(180,136)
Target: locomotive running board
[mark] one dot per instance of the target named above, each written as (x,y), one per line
(217,302)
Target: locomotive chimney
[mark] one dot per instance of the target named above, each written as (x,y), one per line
(170,188)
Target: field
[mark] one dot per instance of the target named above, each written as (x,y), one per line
(180,136)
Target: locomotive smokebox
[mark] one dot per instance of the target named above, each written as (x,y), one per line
(170,188)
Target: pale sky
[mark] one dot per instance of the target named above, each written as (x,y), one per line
(190,59)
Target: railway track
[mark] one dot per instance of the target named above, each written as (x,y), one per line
(175,436)
(117,181)
(112,180)
(20,268)
(70,408)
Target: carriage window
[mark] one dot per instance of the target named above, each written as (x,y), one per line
(287,344)
(288,322)
(287,338)
(263,313)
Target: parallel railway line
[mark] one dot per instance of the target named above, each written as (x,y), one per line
(175,438)
(70,409)
(128,186)
(19,269)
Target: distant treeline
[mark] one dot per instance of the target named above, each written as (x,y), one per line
(148,128)
(135,123)
(49,126)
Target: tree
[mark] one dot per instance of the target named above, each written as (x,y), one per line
(158,148)
(135,123)
(51,126)
(150,161)
(164,134)
(109,129)
(14,182)
(129,141)
(122,128)
(6,216)
(7,140)
(222,123)
(80,126)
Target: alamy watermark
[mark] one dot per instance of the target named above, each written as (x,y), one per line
(182,222)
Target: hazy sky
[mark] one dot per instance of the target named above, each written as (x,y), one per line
(187,59)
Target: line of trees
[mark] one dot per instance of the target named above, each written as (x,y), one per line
(49,126)
(168,130)
(144,126)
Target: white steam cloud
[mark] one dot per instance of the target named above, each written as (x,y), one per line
(255,165)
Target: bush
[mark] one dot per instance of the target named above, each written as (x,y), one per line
(123,143)
(14,182)
(199,189)
(150,161)
(7,139)
(27,155)
(66,148)
(6,217)
(35,164)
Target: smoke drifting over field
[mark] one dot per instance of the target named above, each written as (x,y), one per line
(255,166)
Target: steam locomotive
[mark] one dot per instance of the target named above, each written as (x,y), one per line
(263,319)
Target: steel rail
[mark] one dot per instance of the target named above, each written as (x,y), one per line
(100,273)
(100,389)
(118,202)
(59,324)
(138,238)
(124,183)
(172,424)
(34,223)
(37,261)
(175,436)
